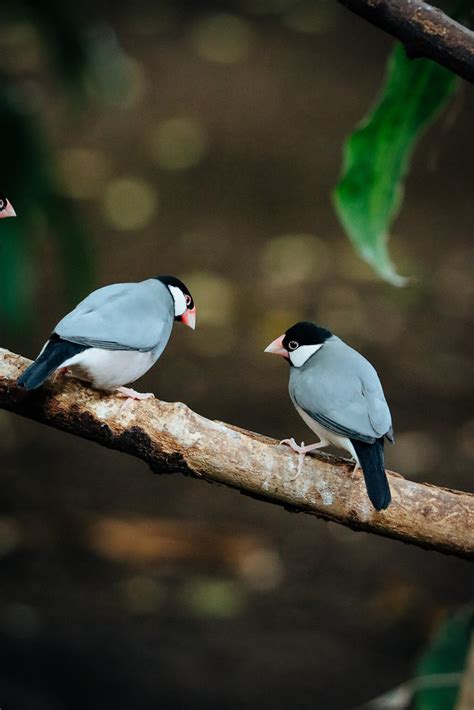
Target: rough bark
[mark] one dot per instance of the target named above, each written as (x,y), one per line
(172,438)
(425,31)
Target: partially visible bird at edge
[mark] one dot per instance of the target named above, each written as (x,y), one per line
(6,207)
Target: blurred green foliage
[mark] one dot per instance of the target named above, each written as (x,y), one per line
(214,598)
(439,672)
(377,155)
(82,57)
(28,178)
(61,31)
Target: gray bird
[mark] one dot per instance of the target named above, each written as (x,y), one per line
(114,335)
(338,394)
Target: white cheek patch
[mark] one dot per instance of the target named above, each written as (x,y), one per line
(180,306)
(299,356)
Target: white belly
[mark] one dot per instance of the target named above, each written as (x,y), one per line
(109,369)
(341,442)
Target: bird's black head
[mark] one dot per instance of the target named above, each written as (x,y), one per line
(184,308)
(299,342)
(305,333)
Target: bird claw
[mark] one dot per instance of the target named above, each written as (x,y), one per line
(131,397)
(292,444)
(132,394)
(61,372)
(301,457)
(300,450)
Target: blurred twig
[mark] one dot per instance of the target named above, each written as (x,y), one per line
(172,438)
(425,31)
(466,697)
(444,674)
(401,697)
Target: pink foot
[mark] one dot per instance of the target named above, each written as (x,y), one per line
(131,396)
(61,372)
(303,450)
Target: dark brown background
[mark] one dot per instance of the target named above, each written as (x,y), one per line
(236,604)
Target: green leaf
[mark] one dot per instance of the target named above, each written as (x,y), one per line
(439,672)
(377,155)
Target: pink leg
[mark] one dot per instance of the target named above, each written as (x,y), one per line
(131,396)
(303,450)
(60,372)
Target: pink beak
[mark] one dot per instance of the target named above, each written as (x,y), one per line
(276,347)
(8,211)
(189,318)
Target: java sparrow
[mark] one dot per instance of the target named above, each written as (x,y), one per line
(338,394)
(6,207)
(114,335)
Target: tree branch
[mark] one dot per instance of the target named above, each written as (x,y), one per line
(424,30)
(172,438)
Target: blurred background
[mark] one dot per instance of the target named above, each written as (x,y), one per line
(204,140)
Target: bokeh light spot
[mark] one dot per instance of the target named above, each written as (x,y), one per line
(114,78)
(262,569)
(311,17)
(214,297)
(291,258)
(133,86)
(179,143)
(82,172)
(223,38)
(141,594)
(213,597)
(340,308)
(9,537)
(276,322)
(21,48)
(129,203)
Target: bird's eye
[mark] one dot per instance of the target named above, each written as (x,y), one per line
(292,345)
(188,299)
(2,203)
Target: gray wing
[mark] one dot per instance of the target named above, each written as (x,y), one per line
(341,390)
(128,316)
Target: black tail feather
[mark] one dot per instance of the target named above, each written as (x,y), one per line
(55,353)
(371,459)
